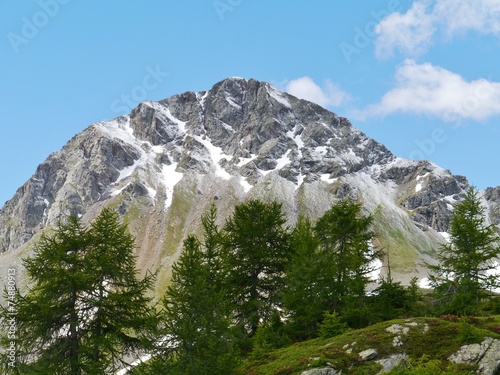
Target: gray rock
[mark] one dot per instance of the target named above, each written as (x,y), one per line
(391,362)
(486,355)
(368,354)
(322,371)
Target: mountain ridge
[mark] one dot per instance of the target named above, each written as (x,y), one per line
(163,164)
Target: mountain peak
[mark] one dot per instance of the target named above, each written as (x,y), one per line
(164,163)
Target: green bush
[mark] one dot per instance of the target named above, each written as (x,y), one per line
(332,325)
(424,366)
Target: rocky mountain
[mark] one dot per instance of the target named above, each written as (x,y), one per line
(162,165)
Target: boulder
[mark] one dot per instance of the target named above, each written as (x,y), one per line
(368,354)
(486,355)
(322,371)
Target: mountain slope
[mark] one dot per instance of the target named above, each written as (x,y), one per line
(166,162)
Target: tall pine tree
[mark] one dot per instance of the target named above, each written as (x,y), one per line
(306,297)
(256,252)
(463,277)
(196,317)
(344,235)
(121,319)
(86,309)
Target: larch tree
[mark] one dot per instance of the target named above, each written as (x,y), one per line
(344,236)
(464,275)
(85,310)
(306,297)
(199,335)
(256,252)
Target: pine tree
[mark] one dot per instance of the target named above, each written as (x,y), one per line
(86,310)
(257,249)
(463,278)
(48,317)
(122,321)
(196,314)
(306,295)
(344,235)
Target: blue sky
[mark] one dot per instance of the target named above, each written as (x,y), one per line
(421,77)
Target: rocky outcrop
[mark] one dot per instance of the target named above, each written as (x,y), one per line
(322,371)
(368,354)
(492,198)
(486,355)
(164,163)
(391,362)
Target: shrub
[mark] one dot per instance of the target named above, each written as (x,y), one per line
(332,325)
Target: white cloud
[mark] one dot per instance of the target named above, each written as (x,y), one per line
(431,90)
(306,88)
(460,16)
(411,32)
(416,30)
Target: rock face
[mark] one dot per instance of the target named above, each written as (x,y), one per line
(486,355)
(162,165)
(322,371)
(391,362)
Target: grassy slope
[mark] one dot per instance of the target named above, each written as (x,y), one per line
(434,338)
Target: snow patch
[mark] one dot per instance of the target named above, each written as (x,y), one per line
(151,193)
(283,161)
(446,236)
(246,186)
(321,150)
(425,283)
(298,141)
(170,179)
(158,149)
(165,111)
(119,191)
(118,129)
(418,187)
(244,161)
(422,176)
(202,98)
(216,154)
(265,173)
(326,178)
(128,171)
(300,180)
(181,124)
(278,96)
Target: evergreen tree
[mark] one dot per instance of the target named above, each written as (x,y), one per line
(257,249)
(463,278)
(392,300)
(48,317)
(122,321)
(85,309)
(344,235)
(196,311)
(306,295)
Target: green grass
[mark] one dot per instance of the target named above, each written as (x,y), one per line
(428,343)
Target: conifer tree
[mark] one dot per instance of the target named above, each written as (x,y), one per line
(463,277)
(344,235)
(122,320)
(86,309)
(306,296)
(257,249)
(48,317)
(200,340)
